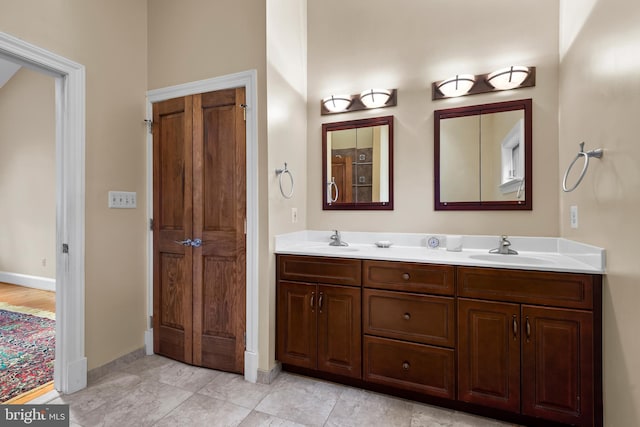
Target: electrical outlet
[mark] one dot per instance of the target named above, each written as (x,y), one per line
(294,215)
(573,216)
(122,199)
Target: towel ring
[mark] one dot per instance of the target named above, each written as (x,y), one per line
(331,185)
(597,153)
(282,172)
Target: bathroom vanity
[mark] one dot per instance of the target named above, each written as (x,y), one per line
(514,340)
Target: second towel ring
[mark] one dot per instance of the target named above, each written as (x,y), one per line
(597,153)
(281,173)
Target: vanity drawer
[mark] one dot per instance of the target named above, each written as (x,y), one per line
(417,367)
(531,287)
(411,277)
(312,269)
(413,317)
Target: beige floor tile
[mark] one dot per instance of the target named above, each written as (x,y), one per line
(140,405)
(260,419)
(233,388)
(362,408)
(204,411)
(431,416)
(303,400)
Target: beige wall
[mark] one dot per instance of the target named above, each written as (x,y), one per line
(600,105)
(408,44)
(287,135)
(28,175)
(109,38)
(192,40)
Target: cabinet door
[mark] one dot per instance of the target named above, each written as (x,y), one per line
(339,330)
(489,354)
(557,364)
(296,324)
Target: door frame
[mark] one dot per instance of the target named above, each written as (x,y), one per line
(70,367)
(249,80)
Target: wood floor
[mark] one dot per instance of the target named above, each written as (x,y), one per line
(32,298)
(28,297)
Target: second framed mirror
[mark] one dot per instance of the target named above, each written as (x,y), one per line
(482,157)
(357,164)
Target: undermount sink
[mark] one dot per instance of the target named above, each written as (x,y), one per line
(336,249)
(510,259)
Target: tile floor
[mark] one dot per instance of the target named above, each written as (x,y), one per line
(155,391)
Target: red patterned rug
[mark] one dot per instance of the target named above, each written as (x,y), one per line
(27,350)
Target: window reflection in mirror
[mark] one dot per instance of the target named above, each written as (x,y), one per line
(357,164)
(483,157)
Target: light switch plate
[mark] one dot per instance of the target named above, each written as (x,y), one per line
(122,199)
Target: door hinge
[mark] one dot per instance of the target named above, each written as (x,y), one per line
(149,124)
(65,248)
(245,339)
(150,321)
(244,111)
(151,224)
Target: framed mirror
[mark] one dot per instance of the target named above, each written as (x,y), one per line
(357,164)
(482,156)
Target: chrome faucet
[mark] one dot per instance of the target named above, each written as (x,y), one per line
(336,240)
(504,248)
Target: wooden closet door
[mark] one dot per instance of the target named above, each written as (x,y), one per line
(219,211)
(172,207)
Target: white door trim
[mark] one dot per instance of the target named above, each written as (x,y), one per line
(248,80)
(70,371)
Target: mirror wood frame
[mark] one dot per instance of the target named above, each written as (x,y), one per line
(356,124)
(527,203)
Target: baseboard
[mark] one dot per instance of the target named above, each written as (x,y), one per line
(267,377)
(35,282)
(99,372)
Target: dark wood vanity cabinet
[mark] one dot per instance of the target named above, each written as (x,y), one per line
(500,342)
(529,346)
(318,314)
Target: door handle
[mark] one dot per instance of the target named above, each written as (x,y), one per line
(196,243)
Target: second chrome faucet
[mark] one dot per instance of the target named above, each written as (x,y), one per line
(504,247)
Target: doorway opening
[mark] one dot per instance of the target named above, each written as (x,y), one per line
(70,369)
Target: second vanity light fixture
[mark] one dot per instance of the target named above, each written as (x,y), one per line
(513,77)
(367,99)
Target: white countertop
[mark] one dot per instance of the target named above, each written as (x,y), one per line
(534,253)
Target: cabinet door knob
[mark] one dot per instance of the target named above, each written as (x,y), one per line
(515,327)
(407,316)
(405,276)
(528,328)
(313,299)
(406,365)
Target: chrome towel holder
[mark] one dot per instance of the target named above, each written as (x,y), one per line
(281,173)
(597,153)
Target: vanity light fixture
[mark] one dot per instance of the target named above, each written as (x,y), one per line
(509,77)
(459,85)
(367,99)
(375,98)
(513,77)
(337,103)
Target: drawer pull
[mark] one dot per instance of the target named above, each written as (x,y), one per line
(407,316)
(405,276)
(406,365)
